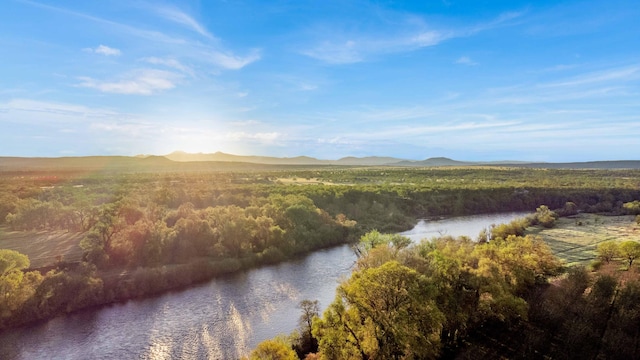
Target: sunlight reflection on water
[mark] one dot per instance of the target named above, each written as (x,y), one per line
(222,319)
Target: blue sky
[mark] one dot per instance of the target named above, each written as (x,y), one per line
(471,80)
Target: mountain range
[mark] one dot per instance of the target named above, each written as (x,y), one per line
(182,161)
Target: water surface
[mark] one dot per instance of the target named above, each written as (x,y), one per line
(222,319)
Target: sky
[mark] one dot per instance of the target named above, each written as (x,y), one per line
(470,80)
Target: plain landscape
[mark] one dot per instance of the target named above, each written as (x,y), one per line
(319,180)
(78,237)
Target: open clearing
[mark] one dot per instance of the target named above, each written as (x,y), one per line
(574,239)
(43,247)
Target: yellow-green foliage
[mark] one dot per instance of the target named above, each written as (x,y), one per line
(410,303)
(632,207)
(608,250)
(273,349)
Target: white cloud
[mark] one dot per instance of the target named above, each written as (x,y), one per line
(59,110)
(261,136)
(230,61)
(465,60)
(104,50)
(169,62)
(245,123)
(615,74)
(129,128)
(429,38)
(139,82)
(197,51)
(559,67)
(180,17)
(353,48)
(345,52)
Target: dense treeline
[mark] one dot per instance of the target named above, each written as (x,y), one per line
(145,233)
(420,301)
(386,199)
(454,298)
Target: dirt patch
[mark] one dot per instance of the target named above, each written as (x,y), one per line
(43,248)
(575,239)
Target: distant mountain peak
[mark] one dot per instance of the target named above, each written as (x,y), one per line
(297,160)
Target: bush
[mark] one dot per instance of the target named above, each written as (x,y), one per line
(545,217)
(595,265)
(632,208)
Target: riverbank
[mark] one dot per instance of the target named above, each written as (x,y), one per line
(223,318)
(93,288)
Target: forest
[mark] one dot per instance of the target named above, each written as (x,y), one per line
(143,233)
(504,296)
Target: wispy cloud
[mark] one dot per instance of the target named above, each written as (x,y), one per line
(127,127)
(559,67)
(114,25)
(139,82)
(210,52)
(465,60)
(169,62)
(36,111)
(245,123)
(616,74)
(179,17)
(231,61)
(504,19)
(260,136)
(617,82)
(353,48)
(345,52)
(104,50)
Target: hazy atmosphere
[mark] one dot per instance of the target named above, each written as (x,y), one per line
(514,80)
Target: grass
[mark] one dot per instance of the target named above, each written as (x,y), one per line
(575,239)
(43,247)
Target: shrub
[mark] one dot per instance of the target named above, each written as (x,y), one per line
(595,265)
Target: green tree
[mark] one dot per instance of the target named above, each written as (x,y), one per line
(16,286)
(400,242)
(630,250)
(11,260)
(273,349)
(307,343)
(381,313)
(369,241)
(608,250)
(374,238)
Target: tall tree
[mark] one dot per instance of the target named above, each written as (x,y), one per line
(382,313)
(608,250)
(630,250)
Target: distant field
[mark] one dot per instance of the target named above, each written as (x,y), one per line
(43,247)
(574,239)
(299,181)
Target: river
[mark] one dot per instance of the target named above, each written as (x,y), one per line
(222,319)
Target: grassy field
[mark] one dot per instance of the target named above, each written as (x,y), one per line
(43,247)
(574,239)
